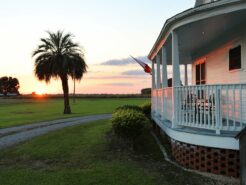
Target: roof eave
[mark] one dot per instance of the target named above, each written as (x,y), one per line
(188,13)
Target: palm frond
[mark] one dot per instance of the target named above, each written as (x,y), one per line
(59,56)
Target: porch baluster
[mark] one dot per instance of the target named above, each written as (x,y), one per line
(217,109)
(241,107)
(227,106)
(234,108)
(210,109)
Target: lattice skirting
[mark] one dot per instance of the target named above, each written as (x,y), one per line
(205,159)
(212,160)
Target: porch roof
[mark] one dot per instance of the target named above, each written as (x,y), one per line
(198,27)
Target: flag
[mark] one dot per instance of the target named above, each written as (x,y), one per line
(145,66)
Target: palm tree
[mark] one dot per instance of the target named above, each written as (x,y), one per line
(59,57)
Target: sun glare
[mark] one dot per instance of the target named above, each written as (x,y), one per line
(40,92)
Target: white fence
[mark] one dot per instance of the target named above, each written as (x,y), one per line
(213,107)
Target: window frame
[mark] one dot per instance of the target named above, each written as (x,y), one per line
(199,63)
(229,58)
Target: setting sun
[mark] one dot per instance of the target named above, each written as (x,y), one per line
(40,92)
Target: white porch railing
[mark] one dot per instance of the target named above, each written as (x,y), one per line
(167,111)
(159,102)
(154,100)
(213,107)
(162,103)
(216,107)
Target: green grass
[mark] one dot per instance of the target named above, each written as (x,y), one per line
(26,111)
(83,155)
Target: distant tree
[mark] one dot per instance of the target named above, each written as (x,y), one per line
(146,91)
(9,85)
(59,57)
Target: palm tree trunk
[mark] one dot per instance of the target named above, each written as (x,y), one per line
(67,109)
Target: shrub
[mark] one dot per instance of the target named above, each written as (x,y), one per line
(146,91)
(146,108)
(130,107)
(129,124)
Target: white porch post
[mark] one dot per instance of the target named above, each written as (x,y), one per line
(176,77)
(153,75)
(164,80)
(153,88)
(158,62)
(164,67)
(158,85)
(186,75)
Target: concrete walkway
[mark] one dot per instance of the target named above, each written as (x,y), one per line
(14,135)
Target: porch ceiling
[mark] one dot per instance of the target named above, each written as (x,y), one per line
(199,38)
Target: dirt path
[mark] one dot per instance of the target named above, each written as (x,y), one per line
(14,135)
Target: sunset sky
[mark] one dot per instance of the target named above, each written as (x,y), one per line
(108,30)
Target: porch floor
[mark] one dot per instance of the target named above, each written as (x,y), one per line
(194,130)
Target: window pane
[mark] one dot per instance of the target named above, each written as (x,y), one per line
(203,71)
(235,58)
(198,72)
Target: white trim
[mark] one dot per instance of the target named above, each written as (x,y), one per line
(212,141)
(207,14)
(201,13)
(235,70)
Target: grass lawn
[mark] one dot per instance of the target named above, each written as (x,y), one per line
(25,111)
(83,155)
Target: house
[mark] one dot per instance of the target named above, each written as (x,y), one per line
(206,49)
(242,140)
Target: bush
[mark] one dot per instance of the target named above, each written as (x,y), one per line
(146,108)
(130,107)
(129,124)
(146,91)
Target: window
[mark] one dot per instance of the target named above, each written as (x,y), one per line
(235,58)
(200,76)
(200,73)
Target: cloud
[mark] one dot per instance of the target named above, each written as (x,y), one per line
(125,61)
(113,77)
(118,62)
(144,59)
(119,84)
(134,73)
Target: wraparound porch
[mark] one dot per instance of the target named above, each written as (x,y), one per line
(208,109)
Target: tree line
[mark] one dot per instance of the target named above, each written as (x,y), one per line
(9,85)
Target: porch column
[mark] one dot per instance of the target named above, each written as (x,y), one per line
(153,98)
(158,62)
(186,75)
(164,81)
(176,77)
(158,85)
(164,67)
(153,75)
